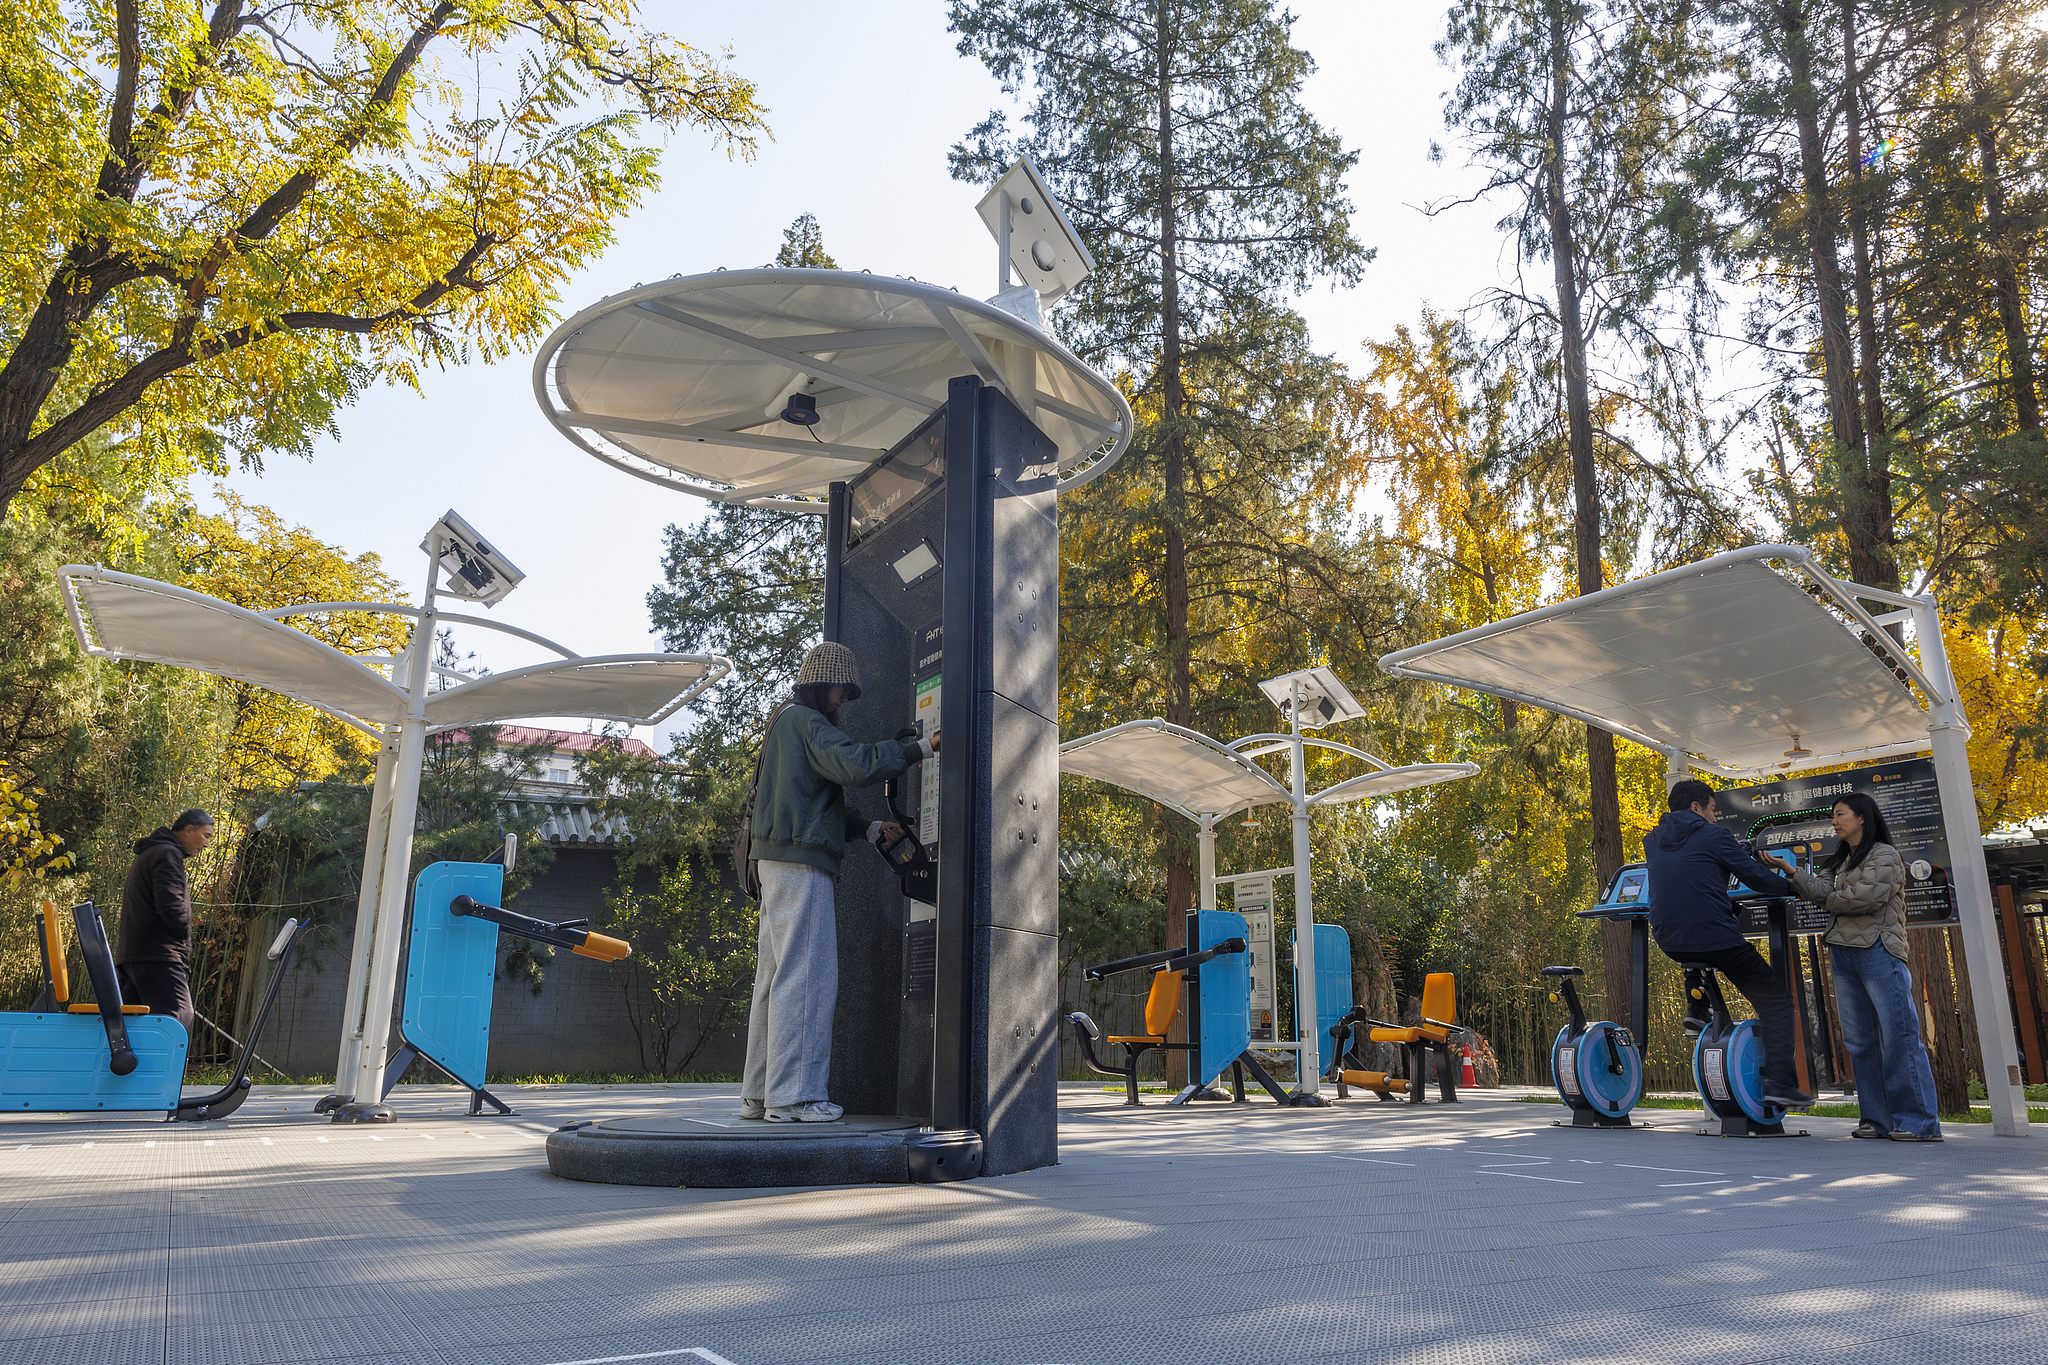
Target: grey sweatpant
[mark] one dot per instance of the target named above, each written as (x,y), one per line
(796,985)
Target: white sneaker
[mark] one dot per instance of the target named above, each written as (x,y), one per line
(753,1109)
(813,1111)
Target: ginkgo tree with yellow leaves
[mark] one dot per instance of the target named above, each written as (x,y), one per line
(225,220)
(250,556)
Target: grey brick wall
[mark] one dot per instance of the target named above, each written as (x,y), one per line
(577,1022)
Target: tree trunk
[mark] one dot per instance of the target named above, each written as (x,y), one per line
(1872,474)
(1181,890)
(1966,1005)
(1603,792)
(1865,523)
(1951,1069)
(2005,252)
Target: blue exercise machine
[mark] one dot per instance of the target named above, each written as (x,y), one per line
(1596,1067)
(1219,1010)
(73,1056)
(451,970)
(1727,1055)
(1214,975)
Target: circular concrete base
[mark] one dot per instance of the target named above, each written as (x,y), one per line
(710,1149)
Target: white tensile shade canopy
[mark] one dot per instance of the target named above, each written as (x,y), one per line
(1194,776)
(683,382)
(1733,663)
(122,616)
(1731,667)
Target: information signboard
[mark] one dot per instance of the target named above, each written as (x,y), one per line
(1904,790)
(1252,897)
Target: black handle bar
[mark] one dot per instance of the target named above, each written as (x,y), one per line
(1167,959)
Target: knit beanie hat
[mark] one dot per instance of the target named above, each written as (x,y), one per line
(832,664)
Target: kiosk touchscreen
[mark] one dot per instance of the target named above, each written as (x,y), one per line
(942,576)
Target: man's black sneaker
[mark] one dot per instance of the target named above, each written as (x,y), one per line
(1867,1130)
(1695,1025)
(1789,1099)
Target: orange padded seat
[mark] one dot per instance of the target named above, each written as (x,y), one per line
(1439,1001)
(59,978)
(1160,1007)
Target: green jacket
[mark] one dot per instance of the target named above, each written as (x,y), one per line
(1867,904)
(800,813)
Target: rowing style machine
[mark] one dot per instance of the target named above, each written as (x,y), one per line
(68,1056)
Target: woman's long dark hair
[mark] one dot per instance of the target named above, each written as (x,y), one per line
(816,696)
(1875,832)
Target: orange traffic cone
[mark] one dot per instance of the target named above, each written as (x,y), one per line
(1468,1080)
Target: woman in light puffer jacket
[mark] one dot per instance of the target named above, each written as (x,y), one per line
(1862,885)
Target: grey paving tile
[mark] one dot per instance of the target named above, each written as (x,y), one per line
(131,1346)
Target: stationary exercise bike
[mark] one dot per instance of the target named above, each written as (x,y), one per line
(1597,1067)
(1727,1066)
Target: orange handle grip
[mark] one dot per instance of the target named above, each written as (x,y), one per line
(604,948)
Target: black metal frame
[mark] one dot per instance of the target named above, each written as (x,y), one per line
(1417,1055)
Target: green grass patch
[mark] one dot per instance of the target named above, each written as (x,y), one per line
(221,1075)
(2034,1092)
(1826,1111)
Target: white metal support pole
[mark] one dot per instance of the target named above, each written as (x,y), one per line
(397,879)
(1205,862)
(366,911)
(1308,1032)
(1950,729)
(1676,769)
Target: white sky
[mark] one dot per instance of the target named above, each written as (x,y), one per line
(864,101)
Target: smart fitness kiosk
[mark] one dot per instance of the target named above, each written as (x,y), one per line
(933,434)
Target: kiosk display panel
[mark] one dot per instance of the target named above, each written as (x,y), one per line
(942,577)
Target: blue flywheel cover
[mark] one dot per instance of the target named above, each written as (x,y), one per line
(1605,1092)
(1564,1071)
(1745,1073)
(1742,1084)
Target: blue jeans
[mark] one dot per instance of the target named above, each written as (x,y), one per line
(1880,1027)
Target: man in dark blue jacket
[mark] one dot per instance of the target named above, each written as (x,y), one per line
(1694,920)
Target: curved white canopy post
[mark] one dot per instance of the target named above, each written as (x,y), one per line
(1718,664)
(681,382)
(124,616)
(1206,781)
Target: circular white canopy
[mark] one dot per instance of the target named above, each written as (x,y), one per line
(682,382)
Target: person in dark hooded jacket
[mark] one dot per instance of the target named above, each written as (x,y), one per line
(1693,919)
(155,946)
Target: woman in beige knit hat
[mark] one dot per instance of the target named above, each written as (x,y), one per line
(801,827)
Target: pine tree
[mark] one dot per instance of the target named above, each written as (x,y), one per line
(1567,104)
(1174,134)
